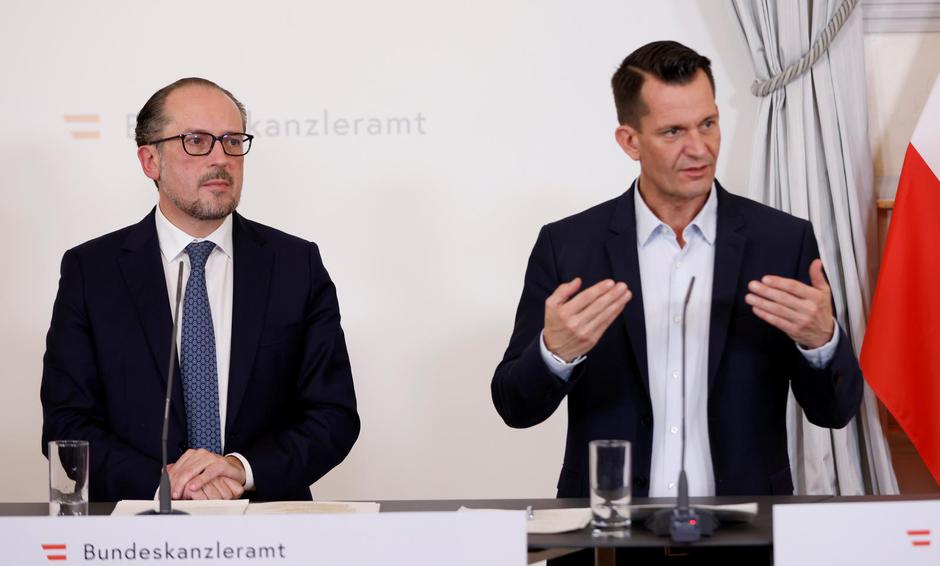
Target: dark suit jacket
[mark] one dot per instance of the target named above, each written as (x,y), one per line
(291,404)
(750,363)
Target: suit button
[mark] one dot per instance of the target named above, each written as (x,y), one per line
(646,420)
(639,482)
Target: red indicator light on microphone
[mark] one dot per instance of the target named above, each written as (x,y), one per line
(692,522)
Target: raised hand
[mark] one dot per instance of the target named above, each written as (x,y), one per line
(574,322)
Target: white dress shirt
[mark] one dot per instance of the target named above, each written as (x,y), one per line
(219,279)
(665,272)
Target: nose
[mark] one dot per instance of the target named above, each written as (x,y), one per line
(695,144)
(217,154)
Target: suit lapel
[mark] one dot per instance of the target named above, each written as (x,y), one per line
(625,263)
(142,268)
(729,254)
(253,263)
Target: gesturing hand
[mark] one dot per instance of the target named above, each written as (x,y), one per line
(801,311)
(574,322)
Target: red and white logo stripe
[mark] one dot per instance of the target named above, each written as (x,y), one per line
(55,551)
(919,538)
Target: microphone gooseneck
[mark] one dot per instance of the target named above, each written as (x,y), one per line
(682,501)
(164,495)
(682,523)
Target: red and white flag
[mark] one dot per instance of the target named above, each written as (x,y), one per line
(901,352)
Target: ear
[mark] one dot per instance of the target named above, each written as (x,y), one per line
(628,140)
(149,159)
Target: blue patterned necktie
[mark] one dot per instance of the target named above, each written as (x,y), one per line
(197,356)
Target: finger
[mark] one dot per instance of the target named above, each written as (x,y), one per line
(564,292)
(214,490)
(198,495)
(787,285)
(782,324)
(184,472)
(816,276)
(178,478)
(236,488)
(224,491)
(777,309)
(776,295)
(599,324)
(222,467)
(205,476)
(174,475)
(600,304)
(182,459)
(581,301)
(229,488)
(208,489)
(191,457)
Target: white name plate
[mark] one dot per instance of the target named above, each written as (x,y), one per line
(882,532)
(492,538)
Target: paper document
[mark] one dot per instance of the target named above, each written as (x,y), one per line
(551,521)
(212,507)
(311,507)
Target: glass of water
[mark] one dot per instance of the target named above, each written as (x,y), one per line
(609,462)
(68,477)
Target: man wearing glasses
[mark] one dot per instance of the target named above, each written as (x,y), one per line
(263,400)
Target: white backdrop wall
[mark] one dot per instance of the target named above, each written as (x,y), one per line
(426,230)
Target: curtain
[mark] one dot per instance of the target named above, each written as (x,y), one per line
(812,159)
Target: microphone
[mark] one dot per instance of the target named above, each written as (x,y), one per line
(682,523)
(165,507)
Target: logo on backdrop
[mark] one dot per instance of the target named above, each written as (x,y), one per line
(919,538)
(321,124)
(325,124)
(55,552)
(83,126)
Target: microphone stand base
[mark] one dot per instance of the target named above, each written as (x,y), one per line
(683,525)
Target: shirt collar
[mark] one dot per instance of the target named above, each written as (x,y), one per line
(173,241)
(648,224)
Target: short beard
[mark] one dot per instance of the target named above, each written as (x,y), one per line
(202,211)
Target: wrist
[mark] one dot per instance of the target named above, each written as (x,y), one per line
(237,464)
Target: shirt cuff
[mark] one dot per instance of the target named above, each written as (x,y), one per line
(818,358)
(249,477)
(559,367)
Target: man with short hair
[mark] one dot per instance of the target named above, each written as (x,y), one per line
(263,401)
(601,315)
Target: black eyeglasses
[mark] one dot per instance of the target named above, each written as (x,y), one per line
(201,143)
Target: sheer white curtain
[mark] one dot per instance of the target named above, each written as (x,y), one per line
(812,159)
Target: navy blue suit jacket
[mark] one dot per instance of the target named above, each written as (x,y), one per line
(750,363)
(291,403)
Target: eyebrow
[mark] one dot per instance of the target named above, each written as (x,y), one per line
(206,131)
(713,116)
